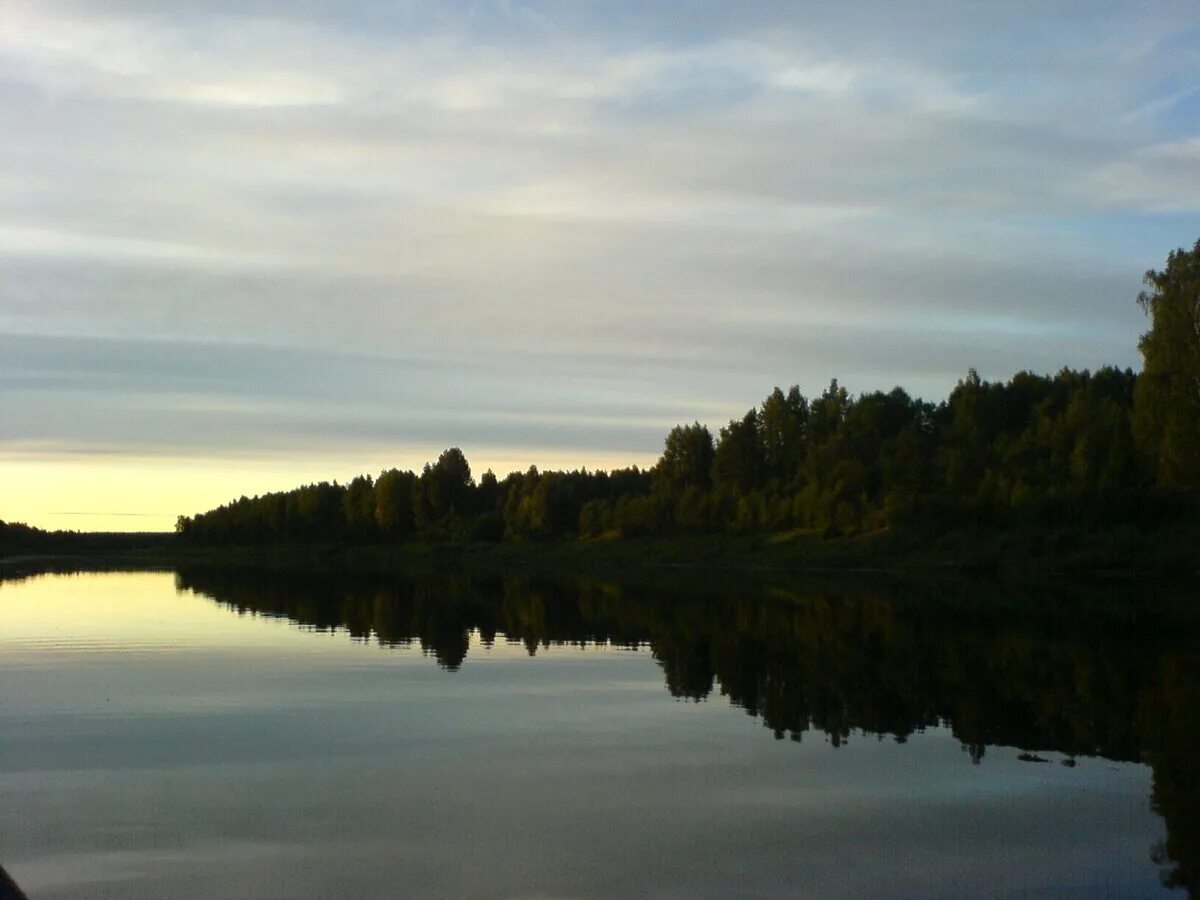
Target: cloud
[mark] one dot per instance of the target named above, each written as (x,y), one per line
(563,208)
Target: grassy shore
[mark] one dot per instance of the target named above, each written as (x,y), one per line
(1115,551)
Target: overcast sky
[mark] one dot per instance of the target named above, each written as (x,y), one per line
(248,243)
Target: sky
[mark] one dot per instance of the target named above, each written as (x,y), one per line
(250,244)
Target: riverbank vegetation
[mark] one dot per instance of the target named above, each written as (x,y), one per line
(1077,452)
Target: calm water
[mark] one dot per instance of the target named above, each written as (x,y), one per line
(203,735)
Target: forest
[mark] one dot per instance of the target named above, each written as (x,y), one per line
(1077,447)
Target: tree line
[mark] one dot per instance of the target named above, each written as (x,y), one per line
(17,537)
(1078,446)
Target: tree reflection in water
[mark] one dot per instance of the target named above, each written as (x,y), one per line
(1091,672)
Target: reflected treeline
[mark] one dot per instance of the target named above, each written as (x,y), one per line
(1099,674)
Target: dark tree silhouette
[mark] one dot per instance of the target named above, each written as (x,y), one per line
(1168,392)
(1082,449)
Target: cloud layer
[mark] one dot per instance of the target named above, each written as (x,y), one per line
(376,229)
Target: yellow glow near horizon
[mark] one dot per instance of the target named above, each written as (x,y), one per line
(126,493)
(116,612)
(113,609)
(119,611)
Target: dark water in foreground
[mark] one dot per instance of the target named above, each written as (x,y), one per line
(216,735)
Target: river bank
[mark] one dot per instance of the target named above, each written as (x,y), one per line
(1112,552)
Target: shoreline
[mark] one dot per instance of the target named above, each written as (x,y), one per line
(1001,554)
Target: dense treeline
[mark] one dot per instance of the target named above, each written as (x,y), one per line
(1076,447)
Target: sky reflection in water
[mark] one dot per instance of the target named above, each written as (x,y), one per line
(158,745)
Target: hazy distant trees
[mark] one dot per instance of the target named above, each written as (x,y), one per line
(1076,446)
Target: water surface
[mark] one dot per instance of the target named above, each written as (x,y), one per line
(210,735)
